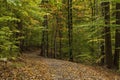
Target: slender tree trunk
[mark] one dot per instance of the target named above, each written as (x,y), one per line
(108,46)
(44,42)
(55,42)
(47,42)
(58,18)
(117,37)
(70,27)
(60,40)
(52,42)
(51,47)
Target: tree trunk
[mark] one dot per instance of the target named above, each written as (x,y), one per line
(46,25)
(108,46)
(70,26)
(55,38)
(117,37)
(58,18)
(60,39)
(44,42)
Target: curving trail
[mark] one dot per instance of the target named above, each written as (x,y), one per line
(65,70)
(38,68)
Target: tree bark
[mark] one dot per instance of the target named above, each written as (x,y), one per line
(55,38)
(108,46)
(60,39)
(70,27)
(117,37)
(44,42)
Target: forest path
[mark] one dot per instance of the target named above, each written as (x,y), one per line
(65,70)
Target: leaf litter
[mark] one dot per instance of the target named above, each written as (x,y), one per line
(34,67)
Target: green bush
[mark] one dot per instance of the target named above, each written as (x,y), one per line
(7,44)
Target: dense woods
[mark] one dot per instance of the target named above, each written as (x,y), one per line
(82,31)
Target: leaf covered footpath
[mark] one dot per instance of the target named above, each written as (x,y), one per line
(33,67)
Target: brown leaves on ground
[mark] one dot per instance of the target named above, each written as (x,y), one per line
(64,70)
(33,67)
(29,69)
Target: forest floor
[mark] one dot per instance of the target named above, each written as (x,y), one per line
(34,67)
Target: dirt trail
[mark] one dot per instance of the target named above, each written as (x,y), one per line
(38,68)
(65,70)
